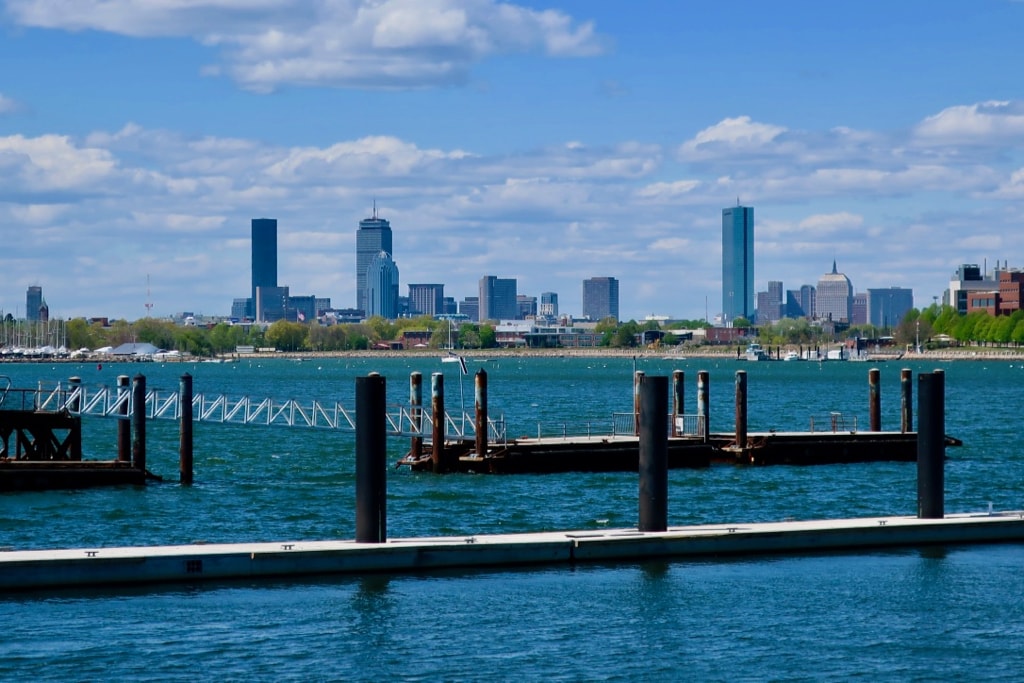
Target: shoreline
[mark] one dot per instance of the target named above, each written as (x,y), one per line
(723,353)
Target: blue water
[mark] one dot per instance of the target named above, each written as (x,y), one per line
(926,614)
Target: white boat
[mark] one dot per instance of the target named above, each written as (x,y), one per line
(792,355)
(757,352)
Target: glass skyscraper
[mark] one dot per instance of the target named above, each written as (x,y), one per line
(382,287)
(372,237)
(264,258)
(498,298)
(600,298)
(737,263)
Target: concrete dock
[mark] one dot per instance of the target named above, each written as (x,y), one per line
(110,567)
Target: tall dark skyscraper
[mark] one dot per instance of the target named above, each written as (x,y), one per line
(600,298)
(738,262)
(264,257)
(33,302)
(372,237)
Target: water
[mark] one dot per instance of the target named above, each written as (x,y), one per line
(914,614)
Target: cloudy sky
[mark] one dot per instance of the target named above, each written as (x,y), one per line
(545,140)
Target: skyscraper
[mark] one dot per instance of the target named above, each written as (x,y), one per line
(372,237)
(549,304)
(33,302)
(382,287)
(737,262)
(264,258)
(600,298)
(834,297)
(886,307)
(498,298)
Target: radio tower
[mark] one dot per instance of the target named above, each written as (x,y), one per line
(149,304)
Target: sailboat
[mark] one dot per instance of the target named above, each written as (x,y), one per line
(451,356)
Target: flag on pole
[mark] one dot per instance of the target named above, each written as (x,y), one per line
(462,364)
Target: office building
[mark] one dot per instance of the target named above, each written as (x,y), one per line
(498,298)
(887,307)
(808,300)
(526,307)
(470,308)
(264,259)
(834,297)
(859,311)
(968,278)
(372,238)
(33,303)
(548,305)
(737,263)
(271,304)
(769,304)
(794,309)
(426,299)
(381,294)
(600,298)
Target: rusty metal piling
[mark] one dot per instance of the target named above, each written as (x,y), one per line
(678,400)
(875,400)
(185,459)
(906,400)
(931,445)
(703,396)
(480,403)
(371,459)
(416,413)
(139,422)
(124,425)
(653,494)
(741,409)
(437,422)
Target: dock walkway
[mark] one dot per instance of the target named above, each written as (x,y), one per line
(47,569)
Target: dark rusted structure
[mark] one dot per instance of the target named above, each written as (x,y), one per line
(371,459)
(653,454)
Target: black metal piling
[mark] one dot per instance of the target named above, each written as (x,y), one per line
(437,422)
(480,403)
(678,400)
(931,445)
(416,413)
(185,460)
(906,400)
(703,396)
(741,408)
(653,454)
(124,425)
(139,422)
(638,378)
(371,459)
(875,400)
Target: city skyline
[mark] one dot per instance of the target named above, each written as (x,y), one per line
(564,140)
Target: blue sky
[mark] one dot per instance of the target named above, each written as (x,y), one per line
(546,141)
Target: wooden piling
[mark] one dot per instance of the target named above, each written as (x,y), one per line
(416,413)
(638,378)
(480,403)
(124,425)
(931,445)
(678,400)
(906,400)
(139,422)
(653,494)
(875,400)
(371,459)
(185,459)
(703,396)
(741,409)
(437,422)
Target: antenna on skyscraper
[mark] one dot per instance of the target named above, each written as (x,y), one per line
(738,201)
(375,208)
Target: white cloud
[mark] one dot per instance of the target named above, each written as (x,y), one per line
(52,162)
(987,123)
(739,134)
(7,105)
(346,43)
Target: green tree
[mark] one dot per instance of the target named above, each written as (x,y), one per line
(488,337)
(224,338)
(286,336)
(159,333)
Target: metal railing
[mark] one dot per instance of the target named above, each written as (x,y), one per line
(116,402)
(835,422)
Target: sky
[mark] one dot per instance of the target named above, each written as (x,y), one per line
(547,141)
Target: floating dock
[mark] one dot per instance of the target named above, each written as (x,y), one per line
(111,567)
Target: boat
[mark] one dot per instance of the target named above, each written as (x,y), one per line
(756,352)
(792,355)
